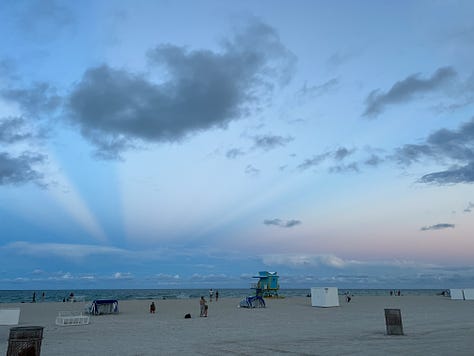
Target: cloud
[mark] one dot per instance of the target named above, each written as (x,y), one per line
(202,90)
(345,168)
(342,153)
(234,153)
(453,175)
(406,89)
(373,160)
(452,147)
(20,169)
(338,155)
(313,162)
(281,223)
(469,207)
(328,260)
(437,227)
(38,99)
(251,170)
(121,275)
(65,251)
(8,69)
(269,142)
(12,129)
(42,19)
(318,90)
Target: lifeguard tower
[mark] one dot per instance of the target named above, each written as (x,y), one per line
(267,285)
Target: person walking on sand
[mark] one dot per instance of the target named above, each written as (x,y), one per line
(211,293)
(217,295)
(203,307)
(152,308)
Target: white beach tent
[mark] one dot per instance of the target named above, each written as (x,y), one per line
(324,297)
(456,294)
(468,294)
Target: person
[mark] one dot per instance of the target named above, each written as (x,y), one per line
(217,295)
(211,293)
(203,307)
(348,298)
(71,297)
(152,308)
(34,298)
(42,297)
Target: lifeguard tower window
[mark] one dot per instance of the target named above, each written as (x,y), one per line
(267,285)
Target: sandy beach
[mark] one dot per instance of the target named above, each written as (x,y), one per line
(433,326)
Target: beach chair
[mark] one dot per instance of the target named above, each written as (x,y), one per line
(66,318)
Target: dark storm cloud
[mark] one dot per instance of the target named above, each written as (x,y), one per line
(18,170)
(438,227)
(38,99)
(454,148)
(406,89)
(281,223)
(203,90)
(269,142)
(12,129)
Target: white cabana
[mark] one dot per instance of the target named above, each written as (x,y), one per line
(324,297)
(456,294)
(468,294)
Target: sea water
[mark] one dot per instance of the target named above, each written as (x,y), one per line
(25,296)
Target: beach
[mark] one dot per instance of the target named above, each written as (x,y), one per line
(433,325)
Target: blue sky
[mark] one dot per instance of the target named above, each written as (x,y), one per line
(159,144)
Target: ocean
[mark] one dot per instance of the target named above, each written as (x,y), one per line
(25,296)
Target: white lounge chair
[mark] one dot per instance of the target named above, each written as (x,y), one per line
(71,318)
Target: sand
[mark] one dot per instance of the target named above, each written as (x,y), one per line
(433,326)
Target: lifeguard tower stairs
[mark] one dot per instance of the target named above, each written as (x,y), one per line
(267,285)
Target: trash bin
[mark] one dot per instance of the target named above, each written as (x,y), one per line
(25,341)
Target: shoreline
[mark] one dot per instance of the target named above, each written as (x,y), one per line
(433,325)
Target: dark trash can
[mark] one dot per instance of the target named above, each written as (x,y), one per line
(25,341)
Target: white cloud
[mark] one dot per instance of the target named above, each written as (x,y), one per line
(62,250)
(305,260)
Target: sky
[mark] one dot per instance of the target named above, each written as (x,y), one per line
(191,144)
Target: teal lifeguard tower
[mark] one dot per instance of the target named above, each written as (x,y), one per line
(267,285)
